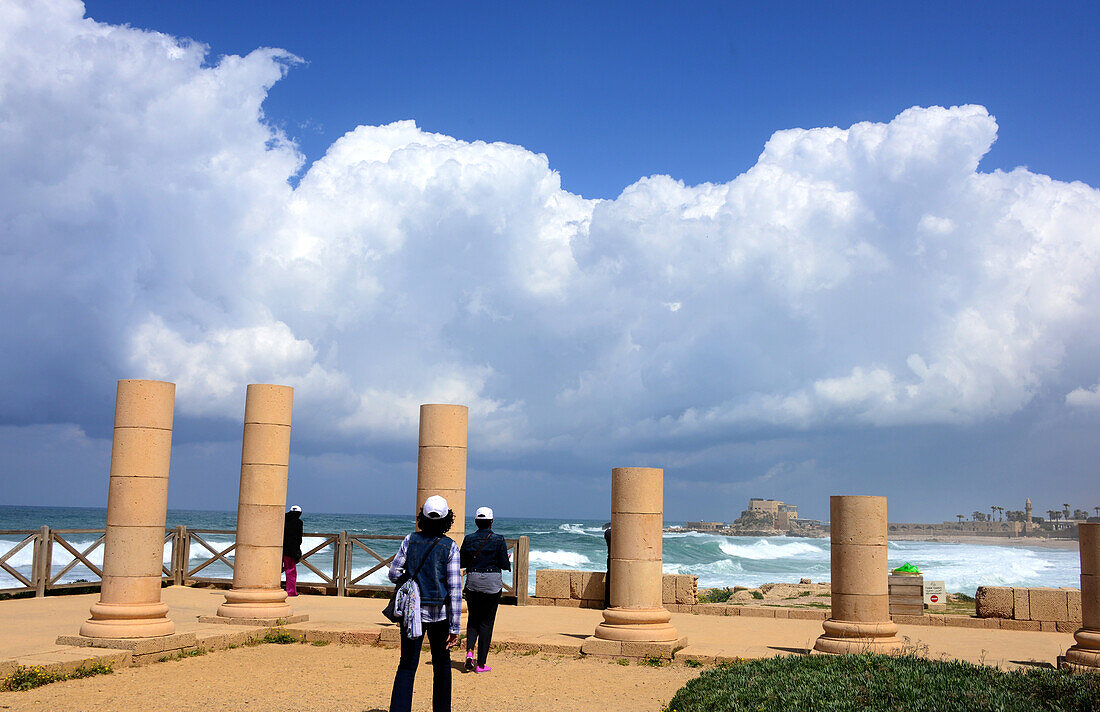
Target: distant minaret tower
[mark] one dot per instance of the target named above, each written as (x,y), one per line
(1027,515)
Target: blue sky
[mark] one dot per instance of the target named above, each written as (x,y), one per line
(614,91)
(782,252)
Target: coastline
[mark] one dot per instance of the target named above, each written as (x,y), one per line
(1032,542)
(1029,542)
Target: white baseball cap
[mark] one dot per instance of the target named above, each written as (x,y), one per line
(484,513)
(435,507)
(295,508)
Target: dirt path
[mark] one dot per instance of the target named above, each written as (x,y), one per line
(339,678)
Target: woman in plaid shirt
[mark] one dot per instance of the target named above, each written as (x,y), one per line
(432,558)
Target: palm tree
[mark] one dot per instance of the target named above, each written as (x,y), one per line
(1050,514)
(961,517)
(1097,511)
(1065,509)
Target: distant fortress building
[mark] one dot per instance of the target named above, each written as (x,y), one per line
(772,517)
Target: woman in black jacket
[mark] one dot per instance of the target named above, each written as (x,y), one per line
(292,548)
(484,554)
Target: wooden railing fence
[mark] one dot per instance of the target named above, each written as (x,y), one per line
(332,560)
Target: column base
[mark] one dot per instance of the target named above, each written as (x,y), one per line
(164,645)
(637,625)
(846,637)
(265,622)
(631,649)
(1085,655)
(265,603)
(128,620)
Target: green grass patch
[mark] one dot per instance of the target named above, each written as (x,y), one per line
(716,595)
(320,643)
(28,678)
(653,661)
(879,683)
(280,637)
(693,663)
(758,596)
(181,654)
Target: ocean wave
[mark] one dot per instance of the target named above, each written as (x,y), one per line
(581,529)
(557,559)
(764,549)
(694,535)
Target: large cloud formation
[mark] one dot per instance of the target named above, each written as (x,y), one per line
(869,276)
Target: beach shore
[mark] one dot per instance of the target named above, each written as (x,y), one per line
(1023,542)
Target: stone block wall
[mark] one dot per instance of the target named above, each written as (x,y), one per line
(584,589)
(1060,605)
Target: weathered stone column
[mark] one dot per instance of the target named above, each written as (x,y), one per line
(265,457)
(860,591)
(137,505)
(441,462)
(1085,655)
(636,623)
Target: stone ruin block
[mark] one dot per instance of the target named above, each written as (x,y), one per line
(1048,604)
(668,589)
(586,585)
(1073,599)
(994,602)
(1021,604)
(552,583)
(687,589)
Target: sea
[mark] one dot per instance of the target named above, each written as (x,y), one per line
(578,544)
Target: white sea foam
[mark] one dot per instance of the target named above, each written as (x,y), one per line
(557,559)
(765,549)
(581,529)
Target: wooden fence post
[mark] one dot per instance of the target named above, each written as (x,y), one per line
(178,562)
(185,558)
(41,569)
(519,568)
(339,572)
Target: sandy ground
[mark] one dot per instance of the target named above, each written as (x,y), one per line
(338,678)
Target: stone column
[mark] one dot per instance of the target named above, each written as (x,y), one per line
(265,456)
(1085,655)
(137,505)
(441,462)
(860,591)
(635,615)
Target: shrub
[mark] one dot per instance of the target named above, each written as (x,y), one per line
(877,683)
(716,595)
(757,595)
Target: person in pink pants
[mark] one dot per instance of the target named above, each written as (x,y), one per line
(292,548)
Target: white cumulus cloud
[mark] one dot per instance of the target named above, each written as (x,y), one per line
(868,275)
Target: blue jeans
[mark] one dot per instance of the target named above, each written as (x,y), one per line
(401,697)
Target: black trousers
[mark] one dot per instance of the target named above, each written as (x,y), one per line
(402,695)
(482,611)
